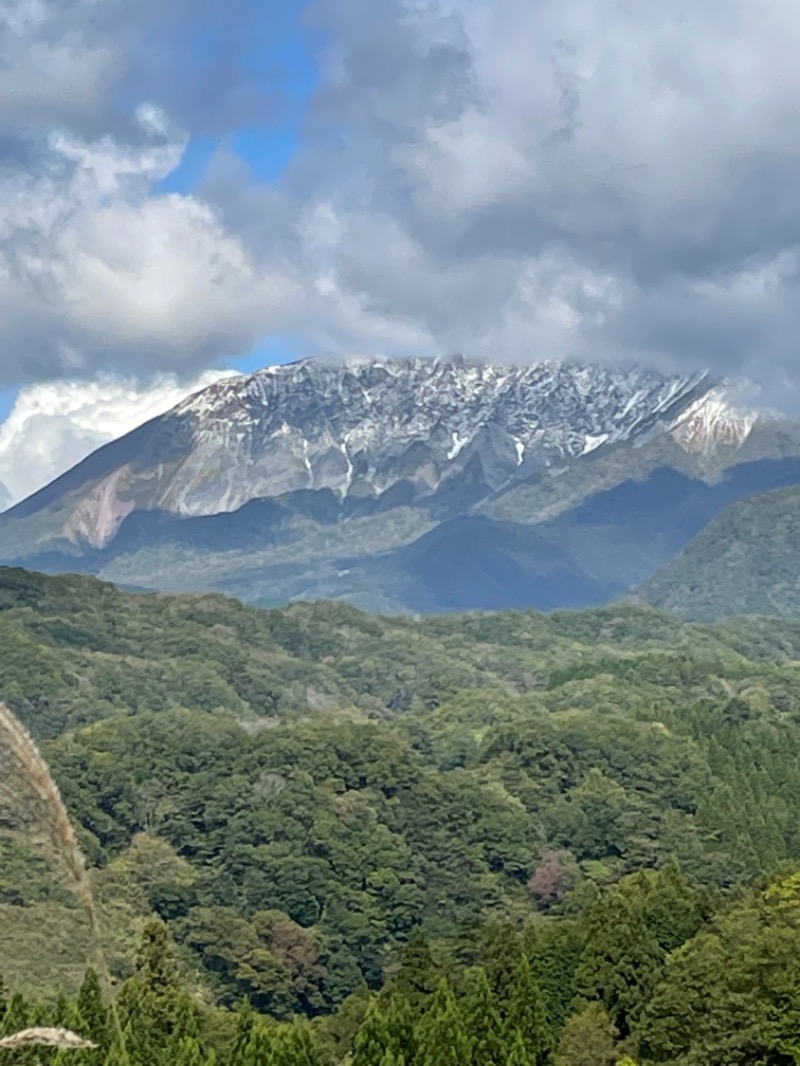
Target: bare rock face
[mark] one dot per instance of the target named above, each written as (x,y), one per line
(411,485)
(358,428)
(367,424)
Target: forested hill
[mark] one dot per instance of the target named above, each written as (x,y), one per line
(300,792)
(743,562)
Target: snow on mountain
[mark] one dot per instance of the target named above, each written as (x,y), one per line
(712,422)
(359,427)
(318,424)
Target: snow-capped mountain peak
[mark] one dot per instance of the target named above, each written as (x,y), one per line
(714,421)
(361,426)
(320,424)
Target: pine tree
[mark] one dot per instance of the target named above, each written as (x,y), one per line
(294,1046)
(526,1014)
(387,1031)
(245,1024)
(64,1015)
(258,1051)
(554,952)
(372,1040)
(93,1016)
(19,1015)
(588,1039)
(185,1029)
(155,1008)
(517,1054)
(441,1036)
(482,1022)
(390,1059)
(186,1052)
(417,976)
(501,949)
(621,961)
(400,1019)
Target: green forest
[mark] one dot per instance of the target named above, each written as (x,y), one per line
(319,836)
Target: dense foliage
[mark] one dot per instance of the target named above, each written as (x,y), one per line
(743,562)
(564,817)
(645,974)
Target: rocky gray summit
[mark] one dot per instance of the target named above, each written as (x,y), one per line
(370,478)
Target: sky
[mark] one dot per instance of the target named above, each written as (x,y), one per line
(190,187)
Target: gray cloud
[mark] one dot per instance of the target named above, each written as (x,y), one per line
(602,178)
(82,63)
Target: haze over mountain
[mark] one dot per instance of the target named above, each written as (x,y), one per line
(410,484)
(744,562)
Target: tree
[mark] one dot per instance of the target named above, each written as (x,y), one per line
(154,1007)
(373,1038)
(482,1021)
(556,874)
(588,1039)
(293,1046)
(517,1054)
(501,949)
(417,976)
(554,951)
(400,1020)
(19,1015)
(245,1024)
(442,1038)
(260,1047)
(93,1016)
(188,1052)
(732,993)
(621,961)
(526,1014)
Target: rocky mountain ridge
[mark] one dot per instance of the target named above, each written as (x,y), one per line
(362,426)
(384,481)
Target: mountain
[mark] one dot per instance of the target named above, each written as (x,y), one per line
(409,484)
(746,561)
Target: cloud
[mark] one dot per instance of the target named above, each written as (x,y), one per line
(53,426)
(600,178)
(79,63)
(99,271)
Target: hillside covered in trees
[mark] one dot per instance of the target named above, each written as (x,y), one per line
(743,562)
(573,830)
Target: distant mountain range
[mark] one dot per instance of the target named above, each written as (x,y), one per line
(411,485)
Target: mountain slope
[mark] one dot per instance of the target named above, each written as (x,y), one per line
(356,427)
(409,485)
(746,561)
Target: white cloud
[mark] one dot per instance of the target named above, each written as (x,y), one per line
(53,426)
(99,270)
(97,273)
